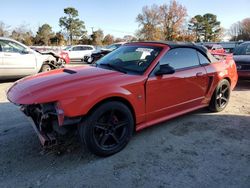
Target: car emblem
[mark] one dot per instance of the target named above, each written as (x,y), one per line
(238,67)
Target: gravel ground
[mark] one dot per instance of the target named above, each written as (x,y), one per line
(200,149)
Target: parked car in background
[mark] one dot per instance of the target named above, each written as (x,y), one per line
(77,52)
(65,56)
(133,87)
(96,55)
(18,60)
(214,48)
(57,53)
(229,46)
(242,59)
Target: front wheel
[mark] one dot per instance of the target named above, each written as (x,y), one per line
(220,96)
(108,129)
(45,68)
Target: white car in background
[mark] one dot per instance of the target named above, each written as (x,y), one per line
(78,52)
(18,60)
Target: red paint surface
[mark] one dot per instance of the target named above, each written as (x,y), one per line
(152,98)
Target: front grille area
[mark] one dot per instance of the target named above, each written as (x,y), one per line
(241,66)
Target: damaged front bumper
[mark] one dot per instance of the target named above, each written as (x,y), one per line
(48,122)
(46,139)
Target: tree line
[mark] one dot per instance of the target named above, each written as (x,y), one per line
(169,22)
(156,22)
(73,32)
(240,30)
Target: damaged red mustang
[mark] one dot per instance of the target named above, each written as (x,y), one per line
(134,87)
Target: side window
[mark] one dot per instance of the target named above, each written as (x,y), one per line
(180,58)
(11,47)
(77,48)
(85,48)
(203,59)
(248,49)
(1,44)
(89,48)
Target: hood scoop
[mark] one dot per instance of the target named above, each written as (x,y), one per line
(69,71)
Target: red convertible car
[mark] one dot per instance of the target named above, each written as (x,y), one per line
(134,87)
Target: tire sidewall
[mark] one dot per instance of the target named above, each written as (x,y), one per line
(45,68)
(213,105)
(86,128)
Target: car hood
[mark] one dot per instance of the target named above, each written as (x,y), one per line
(46,87)
(243,59)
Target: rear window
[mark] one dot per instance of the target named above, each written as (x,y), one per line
(242,50)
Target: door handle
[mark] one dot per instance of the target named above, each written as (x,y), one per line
(199,74)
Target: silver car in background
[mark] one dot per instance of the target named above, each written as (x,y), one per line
(18,60)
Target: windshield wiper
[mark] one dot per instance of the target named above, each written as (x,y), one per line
(113,67)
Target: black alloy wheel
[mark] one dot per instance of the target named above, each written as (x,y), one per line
(108,129)
(220,97)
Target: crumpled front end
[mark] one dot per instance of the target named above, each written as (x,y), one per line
(48,121)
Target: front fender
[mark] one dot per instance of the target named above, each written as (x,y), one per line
(80,106)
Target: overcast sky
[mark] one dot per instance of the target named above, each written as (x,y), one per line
(113,16)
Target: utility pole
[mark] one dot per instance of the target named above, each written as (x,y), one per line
(92,28)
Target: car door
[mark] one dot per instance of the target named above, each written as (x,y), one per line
(185,89)
(16,59)
(87,50)
(76,52)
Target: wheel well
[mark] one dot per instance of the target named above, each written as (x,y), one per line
(44,63)
(119,99)
(228,79)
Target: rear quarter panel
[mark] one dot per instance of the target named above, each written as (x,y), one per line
(217,71)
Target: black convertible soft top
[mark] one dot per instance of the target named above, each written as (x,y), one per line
(173,45)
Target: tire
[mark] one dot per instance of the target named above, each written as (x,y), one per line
(108,129)
(220,96)
(45,68)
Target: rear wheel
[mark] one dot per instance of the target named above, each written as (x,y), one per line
(220,96)
(108,129)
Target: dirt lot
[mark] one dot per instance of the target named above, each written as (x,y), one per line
(200,149)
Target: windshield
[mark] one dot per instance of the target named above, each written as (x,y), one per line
(130,59)
(242,50)
(67,47)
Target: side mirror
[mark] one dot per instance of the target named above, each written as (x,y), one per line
(165,69)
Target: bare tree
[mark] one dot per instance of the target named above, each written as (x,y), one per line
(108,39)
(235,30)
(23,34)
(97,37)
(129,38)
(149,21)
(246,29)
(164,22)
(172,19)
(240,30)
(4,29)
